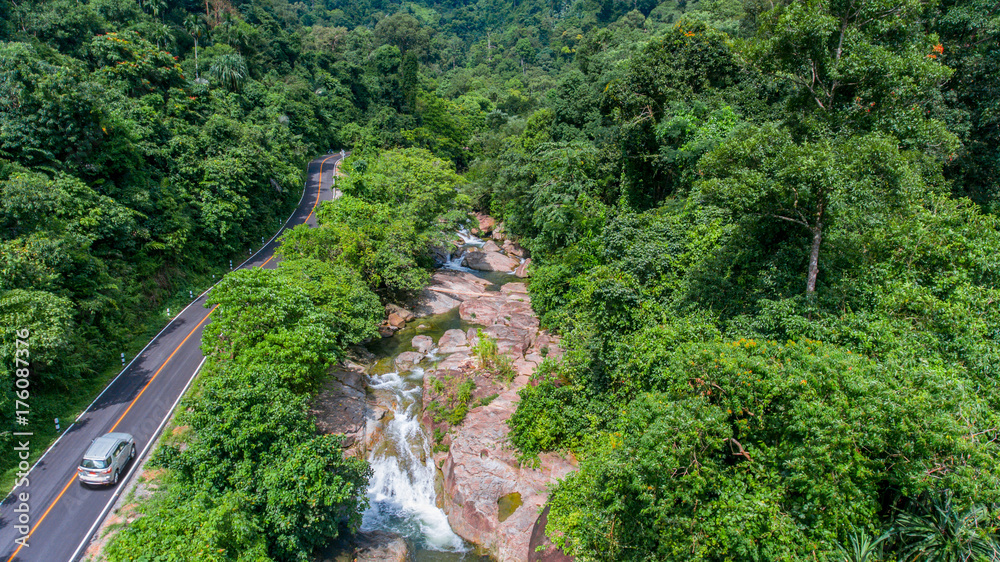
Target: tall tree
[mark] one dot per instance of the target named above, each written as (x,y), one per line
(195,27)
(856,66)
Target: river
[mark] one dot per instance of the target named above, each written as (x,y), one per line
(403,489)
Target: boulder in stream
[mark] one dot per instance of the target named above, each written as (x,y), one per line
(514,249)
(406,360)
(368,546)
(453,341)
(446,291)
(490,261)
(422,344)
(403,313)
(485,224)
(341,405)
(521,271)
(490,498)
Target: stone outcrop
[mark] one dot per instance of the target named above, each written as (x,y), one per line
(381,546)
(522,270)
(482,310)
(369,546)
(480,471)
(485,224)
(514,249)
(399,311)
(341,407)
(447,290)
(406,360)
(422,344)
(453,341)
(489,497)
(490,261)
(541,549)
(490,246)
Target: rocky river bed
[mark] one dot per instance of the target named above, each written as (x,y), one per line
(431,420)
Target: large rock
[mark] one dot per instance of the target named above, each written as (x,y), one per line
(341,405)
(490,246)
(369,546)
(395,321)
(452,341)
(485,224)
(527,322)
(540,548)
(483,310)
(446,291)
(512,289)
(511,338)
(422,344)
(514,249)
(456,361)
(521,270)
(406,360)
(513,306)
(490,261)
(525,367)
(483,482)
(403,313)
(382,546)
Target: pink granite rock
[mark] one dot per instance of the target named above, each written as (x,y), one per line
(480,470)
(490,261)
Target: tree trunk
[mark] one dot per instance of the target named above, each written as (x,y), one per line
(817,233)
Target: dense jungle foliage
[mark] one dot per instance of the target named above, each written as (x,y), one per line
(247,477)
(766,230)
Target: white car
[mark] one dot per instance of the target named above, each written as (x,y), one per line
(106,458)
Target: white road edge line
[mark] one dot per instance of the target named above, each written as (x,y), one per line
(158,334)
(135,464)
(155,436)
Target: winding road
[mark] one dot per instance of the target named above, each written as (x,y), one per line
(62,514)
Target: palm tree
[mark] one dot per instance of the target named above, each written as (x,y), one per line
(230,70)
(196,29)
(943,532)
(158,7)
(161,32)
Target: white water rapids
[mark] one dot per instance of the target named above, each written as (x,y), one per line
(401,492)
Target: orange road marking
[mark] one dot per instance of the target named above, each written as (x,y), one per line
(171,356)
(318,189)
(136,399)
(53,504)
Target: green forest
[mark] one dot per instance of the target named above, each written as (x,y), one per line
(767,231)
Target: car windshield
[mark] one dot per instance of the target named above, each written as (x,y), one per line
(93,463)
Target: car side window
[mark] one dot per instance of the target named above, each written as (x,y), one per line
(119,448)
(107,461)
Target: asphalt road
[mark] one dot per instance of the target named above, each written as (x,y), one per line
(63,514)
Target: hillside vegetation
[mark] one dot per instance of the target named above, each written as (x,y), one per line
(766,230)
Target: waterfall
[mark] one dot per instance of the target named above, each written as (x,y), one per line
(401,491)
(470,240)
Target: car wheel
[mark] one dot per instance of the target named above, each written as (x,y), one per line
(115,481)
(132,454)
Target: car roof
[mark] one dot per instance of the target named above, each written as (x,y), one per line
(102,446)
